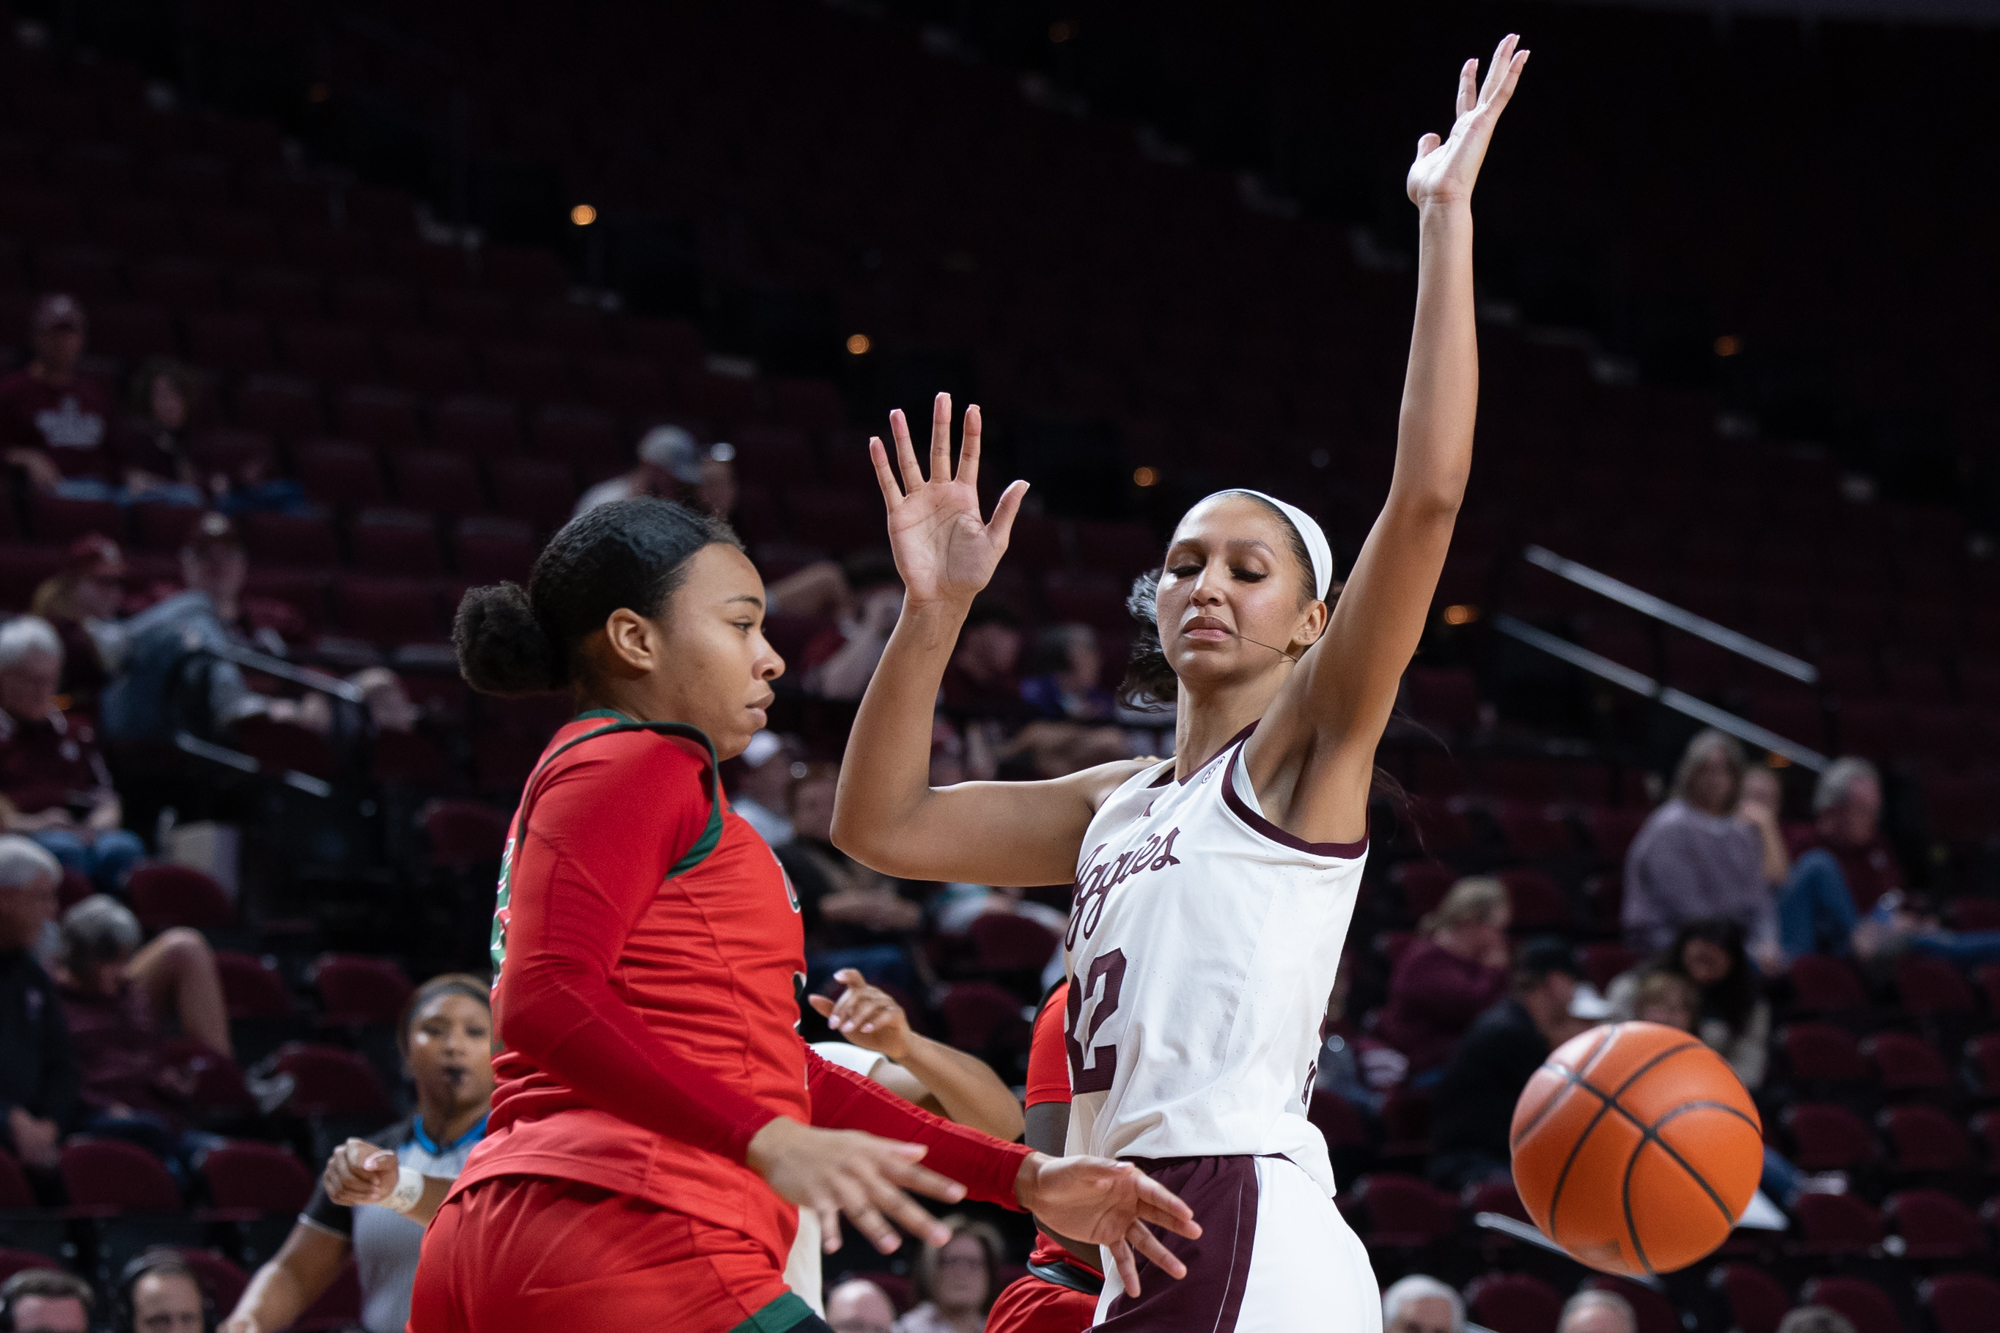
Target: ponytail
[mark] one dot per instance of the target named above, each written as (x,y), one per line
(630,554)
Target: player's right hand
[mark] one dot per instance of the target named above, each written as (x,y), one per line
(358,1173)
(943,551)
(836,1171)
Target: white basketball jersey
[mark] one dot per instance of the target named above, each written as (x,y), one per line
(1202,949)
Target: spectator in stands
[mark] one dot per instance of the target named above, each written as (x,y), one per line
(446,1037)
(47,1300)
(1705,853)
(1730,1013)
(1844,869)
(1474,1101)
(81,601)
(1421,1304)
(675,466)
(760,784)
(54,786)
(859,1306)
(1448,977)
(161,1294)
(1815,1319)
(839,660)
(854,916)
(981,679)
(116,992)
(54,419)
(37,1068)
(1066,686)
(957,1281)
(1666,998)
(1358,1068)
(1593,1311)
(151,454)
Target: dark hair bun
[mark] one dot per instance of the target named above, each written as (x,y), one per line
(501,645)
(1150,681)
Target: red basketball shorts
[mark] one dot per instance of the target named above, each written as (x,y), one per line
(534,1254)
(1030,1305)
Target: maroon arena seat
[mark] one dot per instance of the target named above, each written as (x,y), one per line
(1405,1211)
(1903,1063)
(260,1177)
(1822,985)
(486,550)
(219,1279)
(285,405)
(386,609)
(1424,885)
(1864,1304)
(977,1015)
(1539,903)
(252,987)
(465,833)
(1496,1196)
(1929,985)
(1532,830)
(219,1086)
(399,542)
(358,990)
(169,895)
(339,472)
(281,747)
(1960,1302)
(1837,1224)
(14,1261)
(109,1175)
(1514,1303)
(1603,962)
(1822,1053)
(540,491)
(290,539)
(1004,942)
(1756,1300)
(1934,1225)
(1924,1138)
(1338,1119)
(332,1082)
(1828,1138)
(478,427)
(439,481)
(57,521)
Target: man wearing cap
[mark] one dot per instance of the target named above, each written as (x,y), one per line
(676,466)
(53,418)
(1474,1100)
(81,602)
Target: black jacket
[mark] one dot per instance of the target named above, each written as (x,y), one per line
(1474,1103)
(36,1068)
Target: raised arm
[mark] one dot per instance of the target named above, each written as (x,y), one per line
(886,814)
(1313,757)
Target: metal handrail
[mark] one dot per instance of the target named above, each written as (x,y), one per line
(1521,1231)
(1679,700)
(1667,613)
(304,677)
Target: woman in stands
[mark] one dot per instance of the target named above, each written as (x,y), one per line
(656,1119)
(446,1037)
(1215,889)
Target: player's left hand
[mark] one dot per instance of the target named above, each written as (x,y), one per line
(1446,168)
(359,1172)
(866,1016)
(1102,1202)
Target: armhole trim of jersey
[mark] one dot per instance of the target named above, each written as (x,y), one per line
(711,834)
(1254,819)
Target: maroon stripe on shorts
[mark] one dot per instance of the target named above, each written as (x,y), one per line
(1222,1191)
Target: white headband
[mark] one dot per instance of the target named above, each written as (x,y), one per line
(1309,532)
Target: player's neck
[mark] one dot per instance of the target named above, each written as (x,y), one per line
(1210,719)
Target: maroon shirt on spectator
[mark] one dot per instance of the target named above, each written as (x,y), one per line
(1870,869)
(1434,996)
(83,673)
(50,761)
(71,423)
(119,1058)
(154,450)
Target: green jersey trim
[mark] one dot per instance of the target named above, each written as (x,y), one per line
(786,1313)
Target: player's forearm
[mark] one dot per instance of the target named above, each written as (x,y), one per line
(966,1086)
(1441,387)
(885,777)
(989,1169)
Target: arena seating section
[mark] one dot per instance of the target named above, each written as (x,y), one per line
(443,405)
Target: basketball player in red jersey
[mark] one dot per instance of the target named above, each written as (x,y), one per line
(657,1120)
(1059,1294)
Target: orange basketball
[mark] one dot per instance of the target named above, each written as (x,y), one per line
(1636,1148)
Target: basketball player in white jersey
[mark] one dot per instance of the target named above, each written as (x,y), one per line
(1213,890)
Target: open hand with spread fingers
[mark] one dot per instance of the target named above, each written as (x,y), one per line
(1445,169)
(943,550)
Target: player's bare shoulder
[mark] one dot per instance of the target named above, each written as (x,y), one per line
(1096,784)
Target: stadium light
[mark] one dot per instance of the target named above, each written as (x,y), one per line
(858,344)
(1145,476)
(583,215)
